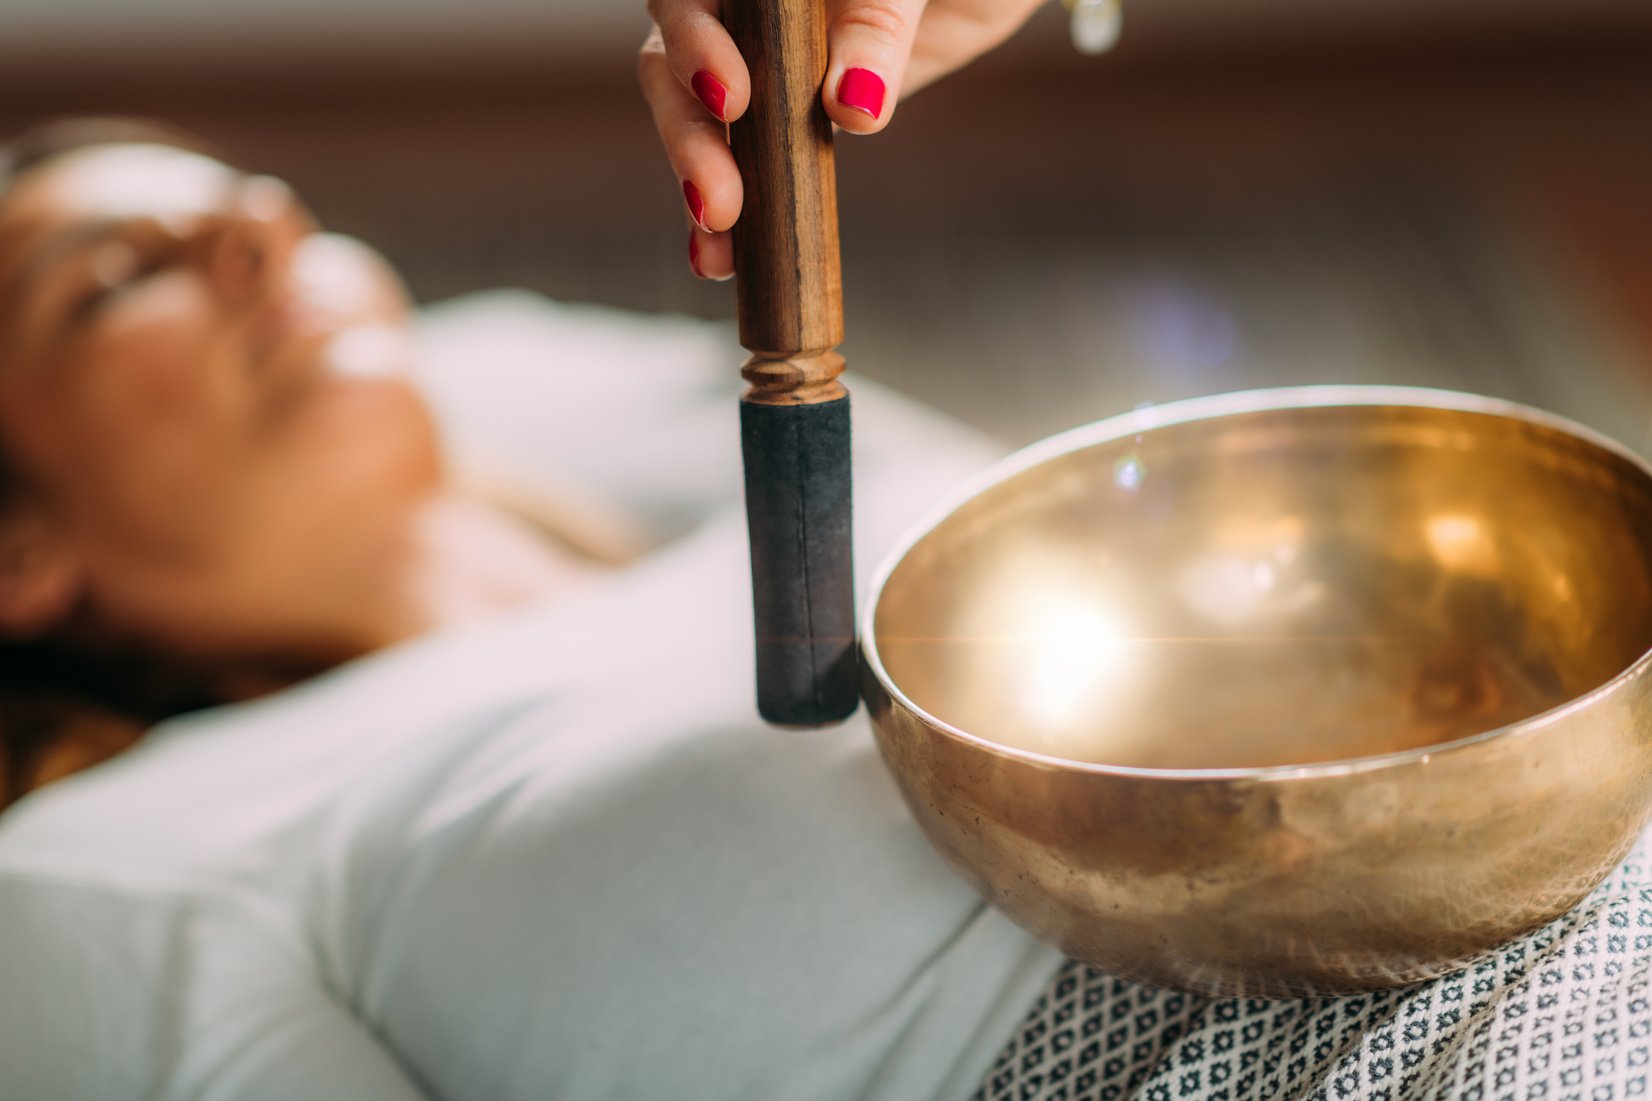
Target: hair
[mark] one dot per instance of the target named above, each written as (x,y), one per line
(50,685)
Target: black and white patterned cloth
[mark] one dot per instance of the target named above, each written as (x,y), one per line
(1563,1014)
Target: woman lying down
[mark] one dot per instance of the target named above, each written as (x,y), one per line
(326,779)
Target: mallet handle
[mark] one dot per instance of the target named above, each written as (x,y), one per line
(795,416)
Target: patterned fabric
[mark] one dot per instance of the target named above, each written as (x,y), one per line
(1563,1014)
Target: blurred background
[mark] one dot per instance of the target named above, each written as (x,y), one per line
(1440,192)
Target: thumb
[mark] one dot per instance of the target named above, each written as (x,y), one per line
(868,43)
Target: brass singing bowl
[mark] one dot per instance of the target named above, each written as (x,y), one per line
(1280,693)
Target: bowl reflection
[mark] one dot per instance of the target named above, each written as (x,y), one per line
(1285,692)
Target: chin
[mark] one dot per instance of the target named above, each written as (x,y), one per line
(367,436)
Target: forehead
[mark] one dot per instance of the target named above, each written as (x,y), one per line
(115,181)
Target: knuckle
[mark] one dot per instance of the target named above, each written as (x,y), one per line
(651,60)
(681,135)
(883,19)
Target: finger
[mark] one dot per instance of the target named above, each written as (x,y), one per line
(710,255)
(701,55)
(869,42)
(696,144)
(953,34)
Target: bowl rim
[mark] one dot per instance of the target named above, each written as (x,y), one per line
(1189,410)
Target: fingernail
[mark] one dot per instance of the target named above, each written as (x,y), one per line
(694,254)
(863,91)
(696,205)
(710,90)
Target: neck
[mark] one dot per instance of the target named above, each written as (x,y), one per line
(453,561)
(398,572)
(448,561)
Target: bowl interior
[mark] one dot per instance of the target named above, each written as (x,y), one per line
(1277,587)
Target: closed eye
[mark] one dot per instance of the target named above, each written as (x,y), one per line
(114,268)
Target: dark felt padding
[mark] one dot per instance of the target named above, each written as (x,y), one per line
(802,562)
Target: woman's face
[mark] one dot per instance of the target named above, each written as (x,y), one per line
(204,393)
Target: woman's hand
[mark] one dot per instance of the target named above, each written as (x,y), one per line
(696,82)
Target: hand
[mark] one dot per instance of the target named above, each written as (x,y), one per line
(695,81)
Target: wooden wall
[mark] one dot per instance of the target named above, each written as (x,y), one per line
(1006,206)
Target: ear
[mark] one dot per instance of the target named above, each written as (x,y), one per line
(40,574)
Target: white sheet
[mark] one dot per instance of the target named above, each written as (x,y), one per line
(554,856)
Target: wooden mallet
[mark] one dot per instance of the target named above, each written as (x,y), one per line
(794,419)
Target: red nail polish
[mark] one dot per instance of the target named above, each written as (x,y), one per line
(694,254)
(696,205)
(710,90)
(862,90)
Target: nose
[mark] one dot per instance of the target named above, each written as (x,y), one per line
(253,243)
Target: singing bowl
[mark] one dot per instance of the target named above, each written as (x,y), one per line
(1281,693)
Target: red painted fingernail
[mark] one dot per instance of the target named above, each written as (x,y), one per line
(696,205)
(710,90)
(863,91)
(694,254)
